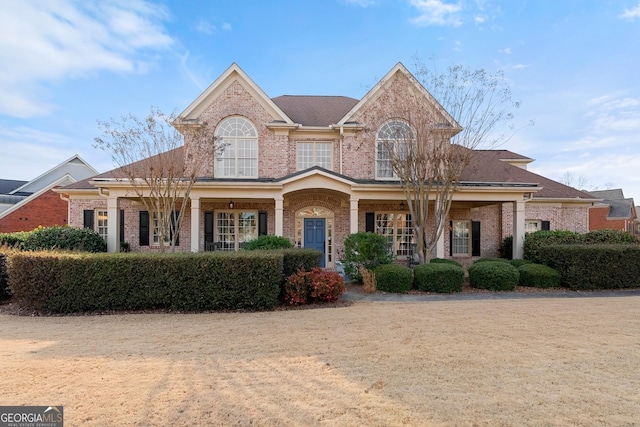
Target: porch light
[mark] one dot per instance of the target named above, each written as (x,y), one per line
(231,204)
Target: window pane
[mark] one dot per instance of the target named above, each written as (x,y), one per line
(101,224)
(460,241)
(239,149)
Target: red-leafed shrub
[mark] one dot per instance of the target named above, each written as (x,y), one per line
(316,285)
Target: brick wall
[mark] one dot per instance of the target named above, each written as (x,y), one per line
(46,210)
(598,220)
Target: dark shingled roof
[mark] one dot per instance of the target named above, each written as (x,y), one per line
(8,185)
(619,207)
(315,110)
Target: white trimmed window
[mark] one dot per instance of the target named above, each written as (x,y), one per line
(235,227)
(397,229)
(392,137)
(238,155)
(532,225)
(155,229)
(461,238)
(311,154)
(101,223)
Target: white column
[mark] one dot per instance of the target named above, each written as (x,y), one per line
(518,229)
(440,246)
(113,224)
(354,216)
(195,224)
(279,216)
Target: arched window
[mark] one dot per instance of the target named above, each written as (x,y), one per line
(392,137)
(238,155)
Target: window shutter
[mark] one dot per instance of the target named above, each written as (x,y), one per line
(545,225)
(144,228)
(88,218)
(208,227)
(121,225)
(450,238)
(370,222)
(475,238)
(174,223)
(262,223)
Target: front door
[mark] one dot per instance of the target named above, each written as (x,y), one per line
(314,235)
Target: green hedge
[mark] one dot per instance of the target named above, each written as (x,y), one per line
(493,275)
(539,276)
(595,266)
(4,285)
(299,259)
(13,240)
(491,259)
(393,278)
(438,277)
(444,261)
(268,242)
(517,263)
(66,282)
(64,238)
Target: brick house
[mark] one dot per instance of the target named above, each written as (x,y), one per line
(308,168)
(613,212)
(25,205)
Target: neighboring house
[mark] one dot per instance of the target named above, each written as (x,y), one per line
(24,205)
(308,168)
(614,212)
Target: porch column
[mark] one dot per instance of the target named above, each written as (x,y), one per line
(440,246)
(354,216)
(279,216)
(113,224)
(195,224)
(518,229)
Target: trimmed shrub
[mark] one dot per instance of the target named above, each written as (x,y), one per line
(438,277)
(13,240)
(534,241)
(299,259)
(444,261)
(491,259)
(595,266)
(268,242)
(75,282)
(609,236)
(316,285)
(64,238)
(519,262)
(505,250)
(495,276)
(539,276)
(393,278)
(367,250)
(4,277)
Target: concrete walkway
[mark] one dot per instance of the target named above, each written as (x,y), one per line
(361,296)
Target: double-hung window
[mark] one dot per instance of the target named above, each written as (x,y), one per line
(101,223)
(398,230)
(157,229)
(311,154)
(461,238)
(393,139)
(237,149)
(236,227)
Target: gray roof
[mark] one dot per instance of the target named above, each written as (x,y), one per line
(8,185)
(619,206)
(315,110)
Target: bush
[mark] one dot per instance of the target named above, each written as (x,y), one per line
(316,285)
(438,277)
(519,262)
(64,238)
(299,259)
(495,276)
(539,276)
(75,282)
(609,236)
(595,266)
(4,277)
(367,250)
(13,240)
(444,261)
(393,278)
(505,250)
(268,242)
(490,259)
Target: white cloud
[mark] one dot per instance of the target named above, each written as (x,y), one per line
(49,41)
(361,3)
(436,12)
(205,27)
(226,26)
(631,13)
(506,51)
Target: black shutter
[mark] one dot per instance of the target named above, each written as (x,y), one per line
(262,223)
(208,227)
(370,222)
(174,223)
(545,225)
(450,238)
(144,228)
(475,238)
(88,218)
(121,225)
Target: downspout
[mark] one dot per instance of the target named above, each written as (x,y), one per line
(66,199)
(341,139)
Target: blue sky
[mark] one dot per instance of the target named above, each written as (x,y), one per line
(573,63)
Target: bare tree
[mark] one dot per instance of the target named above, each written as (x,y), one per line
(150,157)
(430,155)
(580,181)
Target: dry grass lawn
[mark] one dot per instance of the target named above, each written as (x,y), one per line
(536,362)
